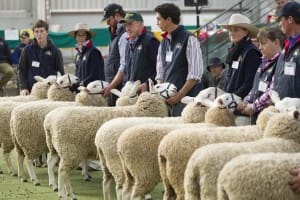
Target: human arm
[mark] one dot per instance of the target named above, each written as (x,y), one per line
(23,71)
(159,67)
(59,63)
(115,82)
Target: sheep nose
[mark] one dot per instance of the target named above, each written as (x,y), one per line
(220,101)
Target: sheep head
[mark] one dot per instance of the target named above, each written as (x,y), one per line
(166,90)
(227,101)
(67,80)
(95,87)
(284,125)
(205,97)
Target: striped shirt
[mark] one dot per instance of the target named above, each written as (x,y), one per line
(194,58)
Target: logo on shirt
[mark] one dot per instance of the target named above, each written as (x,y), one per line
(48,53)
(140,47)
(178,46)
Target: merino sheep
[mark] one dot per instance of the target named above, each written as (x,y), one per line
(176,148)
(137,148)
(39,90)
(108,134)
(64,137)
(200,179)
(27,123)
(258,176)
(286,104)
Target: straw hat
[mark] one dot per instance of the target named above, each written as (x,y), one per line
(81,27)
(239,20)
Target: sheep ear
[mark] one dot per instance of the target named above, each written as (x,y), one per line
(116,92)
(269,113)
(38,78)
(58,74)
(151,85)
(187,99)
(135,87)
(274,96)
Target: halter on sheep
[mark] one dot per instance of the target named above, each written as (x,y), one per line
(66,80)
(166,90)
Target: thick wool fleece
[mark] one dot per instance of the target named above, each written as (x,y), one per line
(280,135)
(137,147)
(258,176)
(39,91)
(87,99)
(220,117)
(60,94)
(176,148)
(70,124)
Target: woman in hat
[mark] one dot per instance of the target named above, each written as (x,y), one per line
(218,73)
(89,61)
(243,58)
(271,41)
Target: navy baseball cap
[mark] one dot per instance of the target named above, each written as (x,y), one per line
(111,10)
(290,9)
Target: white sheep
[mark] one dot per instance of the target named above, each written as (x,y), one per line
(258,176)
(27,123)
(286,104)
(200,179)
(176,148)
(64,136)
(108,134)
(39,92)
(107,148)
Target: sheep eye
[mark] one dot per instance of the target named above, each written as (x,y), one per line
(208,95)
(61,82)
(158,86)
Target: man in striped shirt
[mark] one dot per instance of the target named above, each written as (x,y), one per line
(179,59)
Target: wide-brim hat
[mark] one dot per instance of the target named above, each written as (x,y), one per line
(81,27)
(239,20)
(215,61)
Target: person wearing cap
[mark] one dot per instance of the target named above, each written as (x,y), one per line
(140,54)
(243,57)
(271,41)
(287,74)
(113,13)
(5,65)
(25,40)
(88,60)
(217,73)
(40,57)
(179,59)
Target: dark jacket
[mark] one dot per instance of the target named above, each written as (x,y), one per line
(15,56)
(240,76)
(220,81)
(5,55)
(39,61)
(287,82)
(112,62)
(89,64)
(140,58)
(176,71)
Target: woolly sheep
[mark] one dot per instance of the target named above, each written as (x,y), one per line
(63,136)
(258,176)
(108,134)
(286,104)
(173,153)
(137,148)
(27,123)
(39,91)
(281,135)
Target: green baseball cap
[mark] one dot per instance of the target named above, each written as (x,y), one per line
(131,17)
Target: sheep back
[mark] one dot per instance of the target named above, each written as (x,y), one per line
(176,148)
(27,125)
(86,99)
(220,117)
(60,94)
(206,163)
(193,113)
(258,176)
(107,137)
